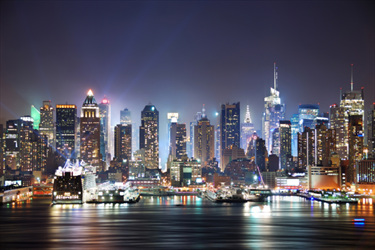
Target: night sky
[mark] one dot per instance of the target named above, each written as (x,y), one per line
(179,55)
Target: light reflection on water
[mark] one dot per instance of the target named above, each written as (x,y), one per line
(188,222)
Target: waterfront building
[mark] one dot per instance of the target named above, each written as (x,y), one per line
(90,131)
(185,172)
(260,153)
(66,119)
(247,129)
(365,175)
(149,135)
(285,143)
(105,126)
(177,140)
(355,141)
(204,140)
(274,111)
(230,125)
(46,126)
(337,122)
(123,142)
(371,132)
(35,114)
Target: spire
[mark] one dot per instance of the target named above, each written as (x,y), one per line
(247,118)
(90,93)
(274,76)
(90,99)
(351,82)
(203,112)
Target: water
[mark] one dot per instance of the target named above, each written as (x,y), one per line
(156,222)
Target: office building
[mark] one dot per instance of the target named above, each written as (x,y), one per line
(275,146)
(371,132)
(325,144)
(294,132)
(260,154)
(274,111)
(306,148)
(355,141)
(365,174)
(46,126)
(90,132)
(232,153)
(177,140)
(105,126)
(230,125)
(123,142)
(204,140)
(307,114)
(172,117)
(149,135)
(247,129)
(66,118)
(185,172)
(285,143)
(337,123)
(126,118)
(197,118)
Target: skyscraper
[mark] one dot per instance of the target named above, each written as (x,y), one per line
(337,122)
(149,135)
(197,118)
(46,126)
(247,129)
(105,126)
(307,113)
(177,140)
(294,130)
(285,142)
(352,103)
(90,131)
(274,111)
(123,142)
(260,153)
(325,144)
(125,116)
(371,132)
(355,141)
(172,117)
(35,114)
(66,118)
(230,127)
(306,148)
(204,140)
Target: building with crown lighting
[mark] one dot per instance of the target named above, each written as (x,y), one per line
(66,132)
(149,135)
(274,111)
(35,114)
(105,126)
(247,129)
(46,126)
(90,131)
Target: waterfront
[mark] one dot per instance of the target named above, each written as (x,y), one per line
(188,222)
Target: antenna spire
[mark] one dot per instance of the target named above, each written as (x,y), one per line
(351,82)
(274,76)
(248,118)
(203,111)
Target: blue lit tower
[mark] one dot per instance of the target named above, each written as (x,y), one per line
(66,129)
(105,127)
(307,114)
(149,135)
(294,130)
(274,111)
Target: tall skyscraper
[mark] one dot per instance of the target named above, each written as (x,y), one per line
(35,114)
(325,144)
(105,126)
(306,148)
(307,114)
(90,131)
(285,142)
(337,122)
(66,118)
(371,132)
(149,135)
(275,135)
(355,141)
(294,130)
(260,153)
(247,129)
(123,142)
(197,118)
(178,140)
(274,111)
(353,103)
(125,116)
(2,149)
(204,140)
(46,126)
(172,117)
(230,127)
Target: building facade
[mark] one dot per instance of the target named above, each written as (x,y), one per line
(204,140)
(105,126)
(285,143)
(66,118)
(247,129)
(46,126)
(123,142)
(177,140)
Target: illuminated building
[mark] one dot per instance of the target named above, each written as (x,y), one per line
(2,149)
(275,136)
(66,117)
(285,142)
(238,168)
(125,116)
(184,172)
(260,153)
(247,129)
(230,127)
(172,117)
(90,131)
(35,114)
(217,143)
(149,135)
(105,126)
(307,113)
(325,144)
(306,147)
(352,103)
(355,141)
(197,118)
(46,126)
(371,132)
(274,111)
(178,140)
(123,142)
(365,173)
(337,122)
(232,153)
(204,140)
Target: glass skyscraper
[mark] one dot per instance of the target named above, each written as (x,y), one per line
(66,116)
